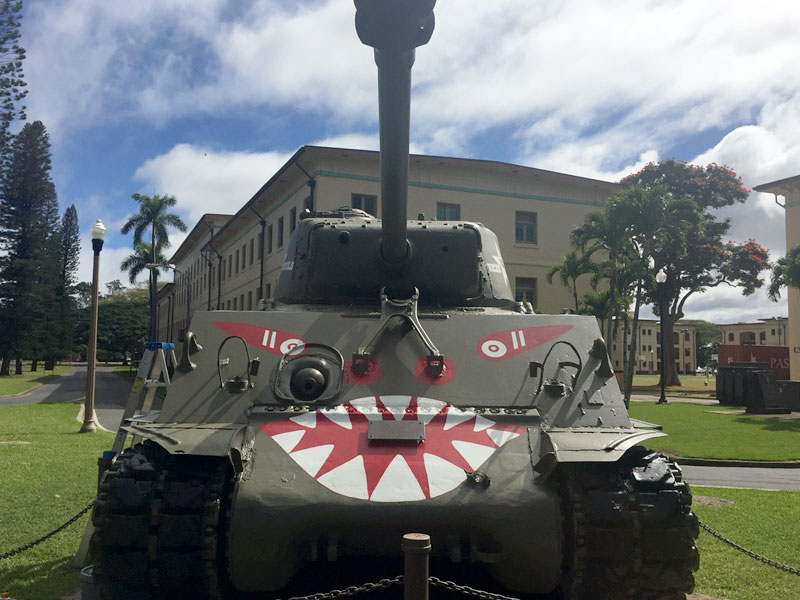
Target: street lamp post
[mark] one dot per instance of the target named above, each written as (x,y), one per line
(661,279)
(89,425)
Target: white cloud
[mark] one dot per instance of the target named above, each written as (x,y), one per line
(205,181)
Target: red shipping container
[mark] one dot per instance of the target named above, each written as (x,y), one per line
(777,357)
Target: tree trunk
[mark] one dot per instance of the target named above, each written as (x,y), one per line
(5,368)
(34,365)
(18,367)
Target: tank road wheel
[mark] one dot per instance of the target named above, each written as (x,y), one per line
(156,526)
(629,530)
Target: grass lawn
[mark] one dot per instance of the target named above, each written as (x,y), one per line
(697,432)
(16,384)
(761,521)
(695,386)
(44,483)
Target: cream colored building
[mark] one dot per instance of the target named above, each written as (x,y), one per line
(648,348)
(767,332)
(787,195)
(532,211)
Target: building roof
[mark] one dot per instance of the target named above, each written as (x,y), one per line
(789,187)
(202,229)
(259,201)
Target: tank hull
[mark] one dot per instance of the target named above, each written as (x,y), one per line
(282,516)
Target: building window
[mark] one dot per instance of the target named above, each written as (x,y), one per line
(730,337)
(687,352)
(525,231)
(249,300)
(525,290)
(251,251)
(687,337)
(241,301)
(244,257)
(269,290)
(230,265)
(762,337)
(365,203)
(649,332)
(228,305)
(448,212)
(260,245)
(773,332)
(269,239)
(292,219)
(280,232)
(236,269)
(234,304)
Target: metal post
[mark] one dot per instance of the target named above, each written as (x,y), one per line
(416,548)
(661,279)
(89,424)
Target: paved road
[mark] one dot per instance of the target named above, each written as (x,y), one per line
(111,393)
(743,477)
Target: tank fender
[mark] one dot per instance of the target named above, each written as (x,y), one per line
(587,445)
(196,439)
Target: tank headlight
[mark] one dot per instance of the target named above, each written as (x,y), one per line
(309,373)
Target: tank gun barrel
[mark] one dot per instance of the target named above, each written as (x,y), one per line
(394,29)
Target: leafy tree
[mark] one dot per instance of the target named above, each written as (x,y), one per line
(69,251)
(121,324)
(83,294)
(597,304)
(29,244)
(707,336)
(785,273)
(153,215)
(702,261)
(568,270)
(12,83)
(114,287)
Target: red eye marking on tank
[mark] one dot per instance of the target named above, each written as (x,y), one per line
(332,446)
(273,341)
(421,372)
(372,374)
(508,343)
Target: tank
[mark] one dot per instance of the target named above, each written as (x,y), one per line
(393,385)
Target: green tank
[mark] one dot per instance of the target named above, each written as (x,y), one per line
(393,385)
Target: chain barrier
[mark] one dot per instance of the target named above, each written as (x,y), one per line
(352,590)
(46,536)
(466,590)
(749,553)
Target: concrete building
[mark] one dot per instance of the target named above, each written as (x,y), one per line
(230,262)
(767,332)
(789,190)
(648,352)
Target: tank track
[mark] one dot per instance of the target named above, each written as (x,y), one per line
(156,526)
(629,529)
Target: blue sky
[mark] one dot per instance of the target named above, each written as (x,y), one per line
(205,99)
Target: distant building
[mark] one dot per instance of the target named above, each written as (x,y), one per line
(767,332)
(789,190)
(231,262)
(648,348)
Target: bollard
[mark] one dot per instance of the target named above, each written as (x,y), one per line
(416,548)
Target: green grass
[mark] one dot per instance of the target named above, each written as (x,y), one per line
(44,483)
(17,384)
(764,522)
(697,432)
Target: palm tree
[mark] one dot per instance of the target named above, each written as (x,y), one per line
(785,272)
(153,215)
(137,262)
(569,269)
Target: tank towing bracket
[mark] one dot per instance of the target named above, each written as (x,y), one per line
(404,310)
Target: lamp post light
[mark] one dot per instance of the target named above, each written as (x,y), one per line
(661,279)
(89,424)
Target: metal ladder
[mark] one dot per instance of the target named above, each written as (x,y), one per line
(153,373)
(152,368)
